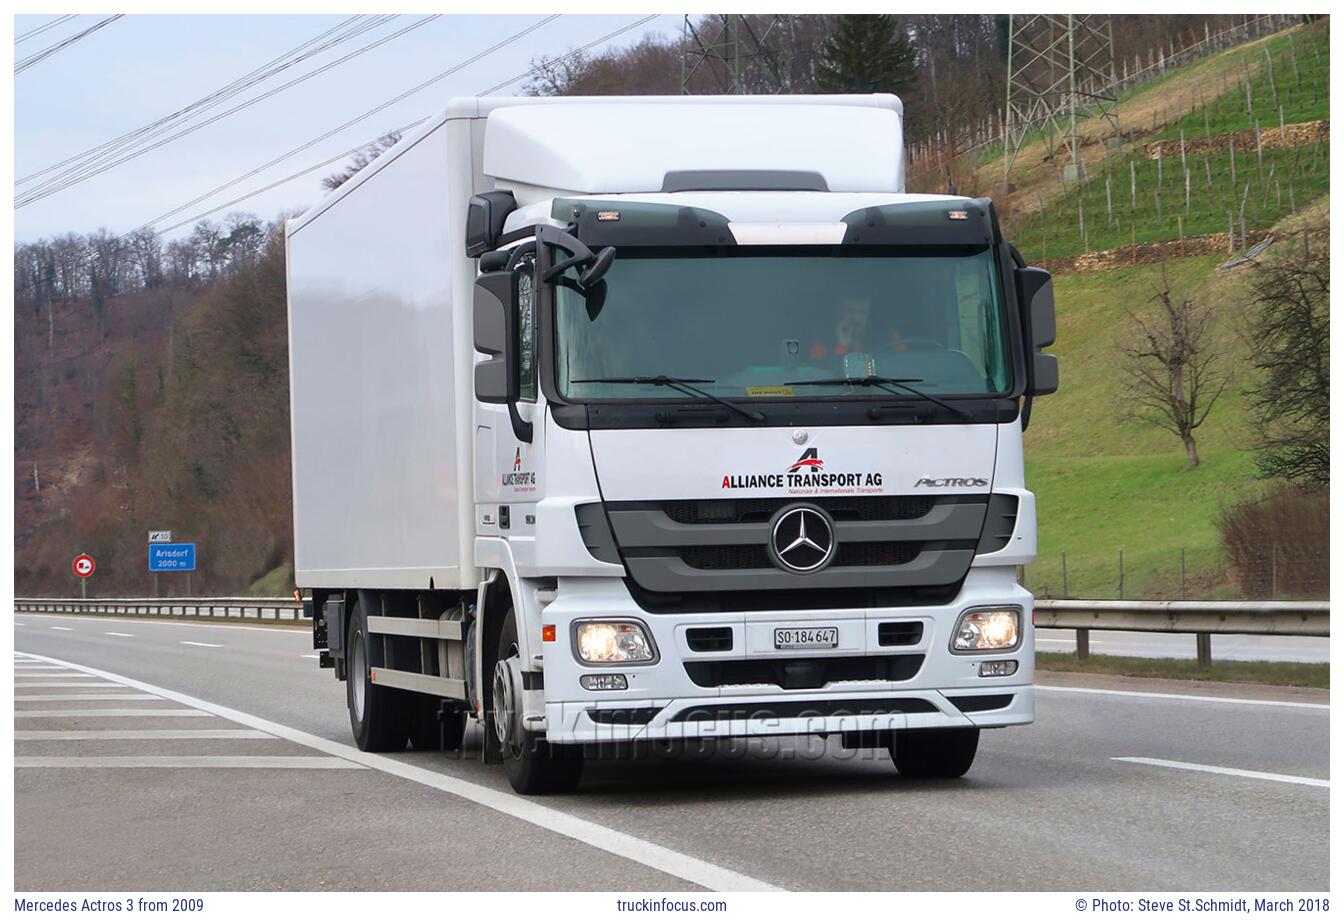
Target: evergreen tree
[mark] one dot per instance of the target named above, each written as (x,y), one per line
(866,54)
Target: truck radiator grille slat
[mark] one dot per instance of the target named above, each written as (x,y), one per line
(803,673)
(799,709)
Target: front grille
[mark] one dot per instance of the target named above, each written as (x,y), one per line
(757,557)
(841,508)
(725,557)
(803,673)
(639,716)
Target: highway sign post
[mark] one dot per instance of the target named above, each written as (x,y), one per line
(83,567)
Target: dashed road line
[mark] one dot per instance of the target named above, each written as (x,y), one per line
(207,762)
(79,697)
(62,628)
(608,840)
(1184,696)
(142,734)
(107,713)
(1228,771)
(20,684)
(201,644)
(122,635)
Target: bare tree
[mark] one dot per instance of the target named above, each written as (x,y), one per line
(1172,368)
(1289,335)
(361,159)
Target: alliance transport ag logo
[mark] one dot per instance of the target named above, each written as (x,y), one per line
(808,461)
(519,479)
(806,475)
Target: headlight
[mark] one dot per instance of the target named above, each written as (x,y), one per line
(609,643)
(988,629)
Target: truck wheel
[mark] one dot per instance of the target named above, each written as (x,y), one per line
(428,732)
(934,753)
(377,714)
(534,766)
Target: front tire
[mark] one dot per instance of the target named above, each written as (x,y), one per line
(378,715)
(934,753)
(534,766)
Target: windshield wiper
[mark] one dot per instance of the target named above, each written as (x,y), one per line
(682,385)
(890,384)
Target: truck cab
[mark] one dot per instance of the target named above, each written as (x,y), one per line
(744,432)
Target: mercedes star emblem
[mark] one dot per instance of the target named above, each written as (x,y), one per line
(803,539)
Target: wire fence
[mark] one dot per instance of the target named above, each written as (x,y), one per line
(1273,571)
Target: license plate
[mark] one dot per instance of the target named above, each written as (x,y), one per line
(807,637)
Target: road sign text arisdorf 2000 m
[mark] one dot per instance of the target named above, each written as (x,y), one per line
(172,557)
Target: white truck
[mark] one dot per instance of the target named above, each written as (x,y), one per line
(654,419)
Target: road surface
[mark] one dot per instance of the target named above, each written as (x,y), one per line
(154,755)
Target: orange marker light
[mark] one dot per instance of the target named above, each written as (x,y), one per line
(548,634)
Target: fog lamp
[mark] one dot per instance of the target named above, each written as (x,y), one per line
(607,643)
(987,629)
(998,668)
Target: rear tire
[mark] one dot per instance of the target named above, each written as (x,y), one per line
(534,766)
(378,715)
(934,753)
(430,733)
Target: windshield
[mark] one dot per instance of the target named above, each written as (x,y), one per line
(747,324)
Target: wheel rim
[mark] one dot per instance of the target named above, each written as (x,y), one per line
(358,675)
(505,704)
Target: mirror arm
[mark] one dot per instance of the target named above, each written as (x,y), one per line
(522,429)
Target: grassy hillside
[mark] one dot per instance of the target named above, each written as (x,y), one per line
(1106,485)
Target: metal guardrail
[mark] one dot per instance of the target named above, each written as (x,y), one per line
(237,608)
(1202,618)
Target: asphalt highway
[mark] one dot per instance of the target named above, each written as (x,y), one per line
(162,755)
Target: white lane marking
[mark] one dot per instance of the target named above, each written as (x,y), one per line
(62,628)
(22,684)
(1228,771)
(201,644)
(17,623)
(257,762)
(25,668)
(141,734)
(1184,696)
(108,713)
(123,635)
(609,840)
(308,656)
(79,697)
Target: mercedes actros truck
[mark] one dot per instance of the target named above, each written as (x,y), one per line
(662,419)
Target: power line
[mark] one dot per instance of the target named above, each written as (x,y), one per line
(314,167)
(38,57)
(56,184)
(267,69)
(361,117)
(42,28)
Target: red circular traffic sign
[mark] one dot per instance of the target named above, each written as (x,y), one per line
(83,565)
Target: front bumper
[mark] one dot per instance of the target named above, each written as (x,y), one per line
(662,700)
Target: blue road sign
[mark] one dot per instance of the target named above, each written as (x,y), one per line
(172,557)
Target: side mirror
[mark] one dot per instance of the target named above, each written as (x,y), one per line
(494,308)
(601,262)
(1036,294)
(486,213)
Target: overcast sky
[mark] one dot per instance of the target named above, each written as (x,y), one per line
(142,67)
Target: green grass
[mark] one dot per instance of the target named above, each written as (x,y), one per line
(278,582)
(1272,185)
(1277,673)
(1104,485)
(1303,94)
